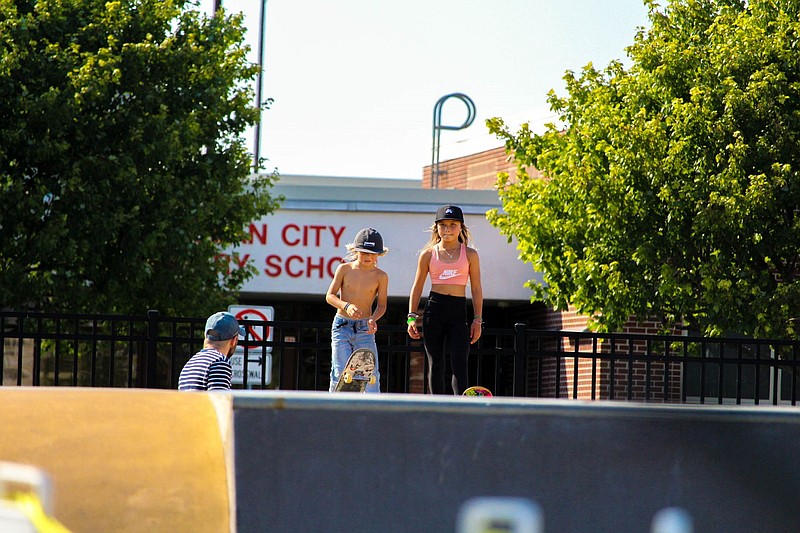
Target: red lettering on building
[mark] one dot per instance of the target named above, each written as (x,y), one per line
(285,234)
(310,235)
(315,230)
(241,260)
(290,270)
(255,234)
(337,236)
(296,266)
(314,265)
(274,266)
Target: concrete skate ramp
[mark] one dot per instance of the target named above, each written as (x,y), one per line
(320,462)
(124,460)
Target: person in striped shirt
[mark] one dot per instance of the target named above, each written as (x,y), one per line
(210,368)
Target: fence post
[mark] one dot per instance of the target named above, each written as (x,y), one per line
(151,355)
(520,349)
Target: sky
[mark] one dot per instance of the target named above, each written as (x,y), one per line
(355,82)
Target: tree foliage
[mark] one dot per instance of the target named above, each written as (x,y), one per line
(123,171)
(672,189)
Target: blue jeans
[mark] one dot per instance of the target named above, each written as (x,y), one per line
(348,335)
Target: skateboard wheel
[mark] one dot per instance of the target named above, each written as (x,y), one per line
(372,380)
(347,377)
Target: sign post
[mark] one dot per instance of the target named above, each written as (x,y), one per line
(256,353)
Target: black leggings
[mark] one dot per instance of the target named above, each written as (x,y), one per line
(445,332)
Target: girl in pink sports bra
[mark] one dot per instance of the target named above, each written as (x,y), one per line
(451,264)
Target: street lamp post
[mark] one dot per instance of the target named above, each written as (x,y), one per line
(261,32)
(259,87)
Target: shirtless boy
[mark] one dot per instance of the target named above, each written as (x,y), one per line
(356,285)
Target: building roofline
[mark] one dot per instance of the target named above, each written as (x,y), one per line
(376,194)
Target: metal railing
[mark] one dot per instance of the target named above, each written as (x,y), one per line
(148,351)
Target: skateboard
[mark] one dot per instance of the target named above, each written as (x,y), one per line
(477,391)
(358,372)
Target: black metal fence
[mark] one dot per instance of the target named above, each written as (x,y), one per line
(148,351)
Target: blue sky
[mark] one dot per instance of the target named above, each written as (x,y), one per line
(355,81)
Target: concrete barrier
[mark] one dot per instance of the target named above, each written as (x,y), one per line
(124,460)
(139,460)
(310,462)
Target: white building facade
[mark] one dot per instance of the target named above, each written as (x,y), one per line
(296,249)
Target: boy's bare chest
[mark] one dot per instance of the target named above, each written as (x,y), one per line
(357,280)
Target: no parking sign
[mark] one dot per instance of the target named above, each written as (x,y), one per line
(255,353)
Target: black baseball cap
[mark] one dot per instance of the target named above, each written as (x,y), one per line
(368,240)
(449,212)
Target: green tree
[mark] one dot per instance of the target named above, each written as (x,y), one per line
(123,170)
(672,189)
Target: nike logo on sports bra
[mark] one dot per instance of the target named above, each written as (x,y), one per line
(448,274)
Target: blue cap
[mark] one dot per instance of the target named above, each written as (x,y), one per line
(223,326)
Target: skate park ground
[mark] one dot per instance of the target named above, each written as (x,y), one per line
(246,461)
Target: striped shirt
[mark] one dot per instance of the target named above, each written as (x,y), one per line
(208,369)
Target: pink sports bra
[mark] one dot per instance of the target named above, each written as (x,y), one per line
(449,273)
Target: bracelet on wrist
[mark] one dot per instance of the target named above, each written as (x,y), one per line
(411,320)
(348,304)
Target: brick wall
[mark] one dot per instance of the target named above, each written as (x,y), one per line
(584,378)
(476,171)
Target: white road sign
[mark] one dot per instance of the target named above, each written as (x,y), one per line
(255,353)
